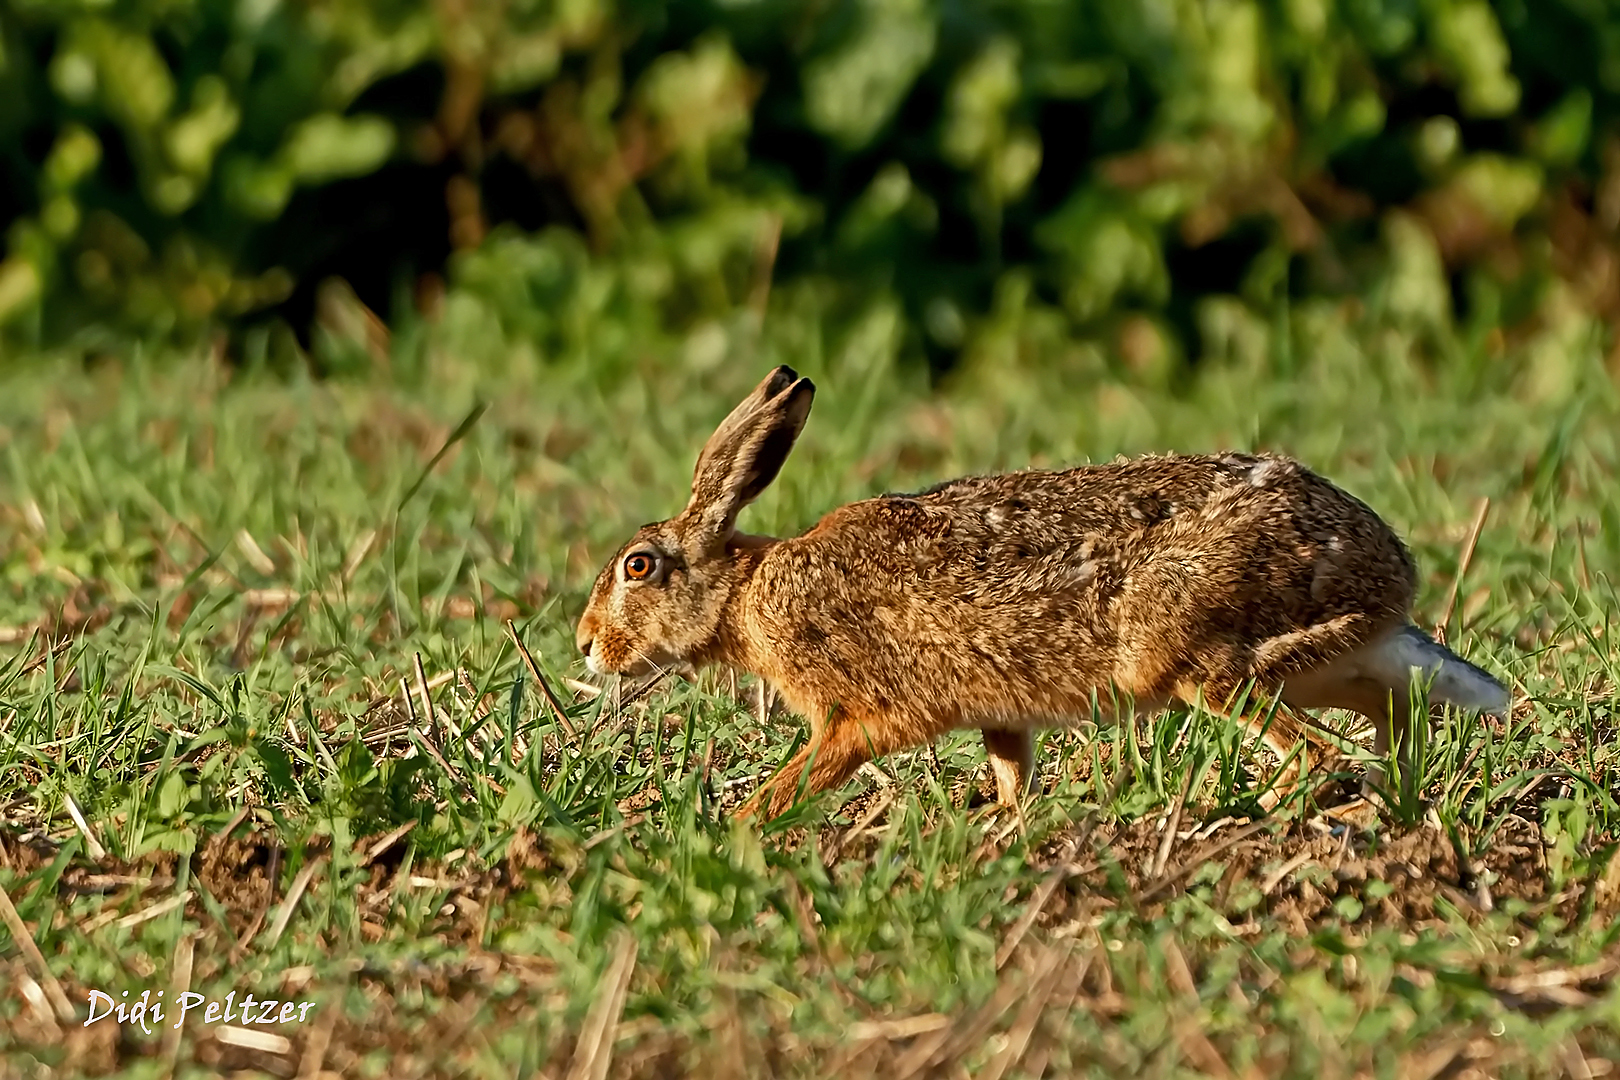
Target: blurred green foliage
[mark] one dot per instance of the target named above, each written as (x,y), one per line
(1020,181)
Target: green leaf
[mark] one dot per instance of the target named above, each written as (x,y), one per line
(277,765)
(852,91)
(257,189)
(76,153)
(171,795)
(187,679)
(329,147)
(194,139)
(1469,42)
(1563,132)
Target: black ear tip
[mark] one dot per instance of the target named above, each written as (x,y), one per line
(798,396)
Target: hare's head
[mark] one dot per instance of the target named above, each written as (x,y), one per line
(660,599)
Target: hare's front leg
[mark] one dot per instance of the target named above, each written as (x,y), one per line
(1012,759)
(843,746)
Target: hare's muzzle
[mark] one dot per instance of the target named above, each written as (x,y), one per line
(584,638)
(591,661)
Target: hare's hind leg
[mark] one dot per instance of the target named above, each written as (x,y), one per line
(1395,723)
(1395,720)
(1400,708)
(1374,680)
(1282,731)
(1309,669)
(1012,760)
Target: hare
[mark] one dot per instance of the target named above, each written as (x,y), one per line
(1028,599)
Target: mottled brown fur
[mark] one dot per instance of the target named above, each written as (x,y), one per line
(1008,602)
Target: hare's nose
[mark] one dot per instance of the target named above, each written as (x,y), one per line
(585,633)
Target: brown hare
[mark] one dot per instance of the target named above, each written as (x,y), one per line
(1029,599)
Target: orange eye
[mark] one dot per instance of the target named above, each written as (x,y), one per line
(639,567)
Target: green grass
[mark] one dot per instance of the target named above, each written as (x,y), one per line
(216,587)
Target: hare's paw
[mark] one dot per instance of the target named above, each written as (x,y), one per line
(1359,813)
(750,809)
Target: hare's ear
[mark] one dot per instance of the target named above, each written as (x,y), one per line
(746,452)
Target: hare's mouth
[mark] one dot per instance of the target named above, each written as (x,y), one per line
(634,666)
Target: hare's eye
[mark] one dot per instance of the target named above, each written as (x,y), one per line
(639,567)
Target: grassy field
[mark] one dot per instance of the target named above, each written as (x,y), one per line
(263,731)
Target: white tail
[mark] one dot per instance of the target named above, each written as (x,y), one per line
(1452,679)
